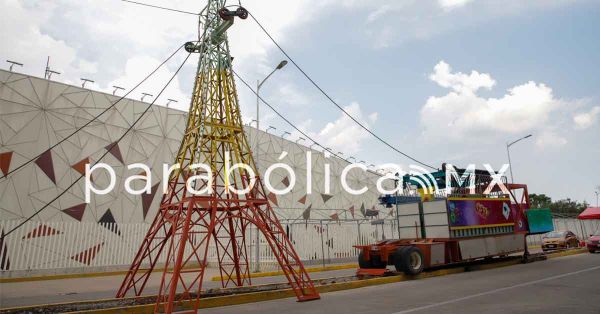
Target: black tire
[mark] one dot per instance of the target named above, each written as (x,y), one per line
(362,262)
(397,258)
(376,262)
(409,259)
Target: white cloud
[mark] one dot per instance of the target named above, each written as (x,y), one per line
(137,68)
(289,94)
(460,82)
(21,36)
(342,134)
(389,23)
(462,113)
(550,139)
(585,120)
(451,4)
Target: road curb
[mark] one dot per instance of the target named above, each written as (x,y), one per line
(279,273)
(252,297)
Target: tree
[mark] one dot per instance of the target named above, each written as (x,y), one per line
(540,201)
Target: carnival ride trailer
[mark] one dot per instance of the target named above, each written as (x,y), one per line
(461,227)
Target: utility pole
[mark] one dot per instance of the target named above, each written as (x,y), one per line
(508,145)
(396,181)
(256,151)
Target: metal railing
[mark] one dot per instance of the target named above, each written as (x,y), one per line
(64,247)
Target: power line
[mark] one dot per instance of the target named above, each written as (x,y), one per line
(292,124)
(310,79)
(95,117)
(162,8)
(334,102)
(108,149)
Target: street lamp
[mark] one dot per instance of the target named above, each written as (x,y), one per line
(270,128)
(300,139)
(260,83)
(284,134)
(508,145)
(84,80)
(396,182)
(12,64)
(597,193)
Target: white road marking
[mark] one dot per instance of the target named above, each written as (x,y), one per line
(496,290)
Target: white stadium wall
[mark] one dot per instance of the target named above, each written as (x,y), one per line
(36,113)
(72,235)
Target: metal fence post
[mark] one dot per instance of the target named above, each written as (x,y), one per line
(322,244)
(328,244)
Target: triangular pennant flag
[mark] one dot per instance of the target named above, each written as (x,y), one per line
(302,200)
(75,211)
(5,159)
(80,166)
(45,163)
(326,197)
(362,209)
(5,262)
(113,148)
(41,231)
(351,209)
(306,213)
(87,256)
(335,216)
(108,221)
(286,182)
(273,198)
(147,200)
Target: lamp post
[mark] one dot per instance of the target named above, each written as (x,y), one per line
(597,193)
(508,145)
(396,181)
(257,237)
(256,151)
(258,86)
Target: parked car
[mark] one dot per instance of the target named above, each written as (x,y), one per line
(593,243)
(558,240)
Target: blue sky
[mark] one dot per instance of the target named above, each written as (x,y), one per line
(536,71)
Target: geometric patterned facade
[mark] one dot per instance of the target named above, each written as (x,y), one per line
(36,113)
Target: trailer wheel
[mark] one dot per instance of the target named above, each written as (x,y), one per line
(362,262)
(397,258)
(409,259)
(374,262)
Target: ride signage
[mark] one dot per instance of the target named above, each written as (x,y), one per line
(476,212)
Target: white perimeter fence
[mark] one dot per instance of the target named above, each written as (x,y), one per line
(65,247)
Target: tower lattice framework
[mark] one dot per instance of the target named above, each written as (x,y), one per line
(187,223)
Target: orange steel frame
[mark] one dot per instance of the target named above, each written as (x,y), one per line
(187,223)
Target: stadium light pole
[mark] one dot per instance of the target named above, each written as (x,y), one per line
(258,85)
(508,145)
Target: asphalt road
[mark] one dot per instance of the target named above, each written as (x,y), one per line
(94,288)
(561,285)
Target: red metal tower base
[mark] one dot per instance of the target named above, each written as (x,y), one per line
(191,225)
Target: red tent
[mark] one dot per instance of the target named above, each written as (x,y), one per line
(590,213)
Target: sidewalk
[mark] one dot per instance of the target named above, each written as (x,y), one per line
(104,287)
